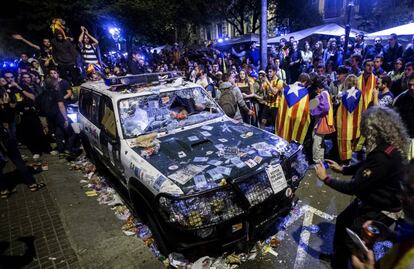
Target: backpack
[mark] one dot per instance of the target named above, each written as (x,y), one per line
(228,103)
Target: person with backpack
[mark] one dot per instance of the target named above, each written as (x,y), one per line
(231,98)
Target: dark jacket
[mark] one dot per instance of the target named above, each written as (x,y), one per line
(375,181)
(64,53)
(391,54)
(404,104)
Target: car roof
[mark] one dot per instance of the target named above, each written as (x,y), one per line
(121,91)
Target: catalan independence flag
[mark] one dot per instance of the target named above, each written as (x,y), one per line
(348,120)
(293,117)
(367,87)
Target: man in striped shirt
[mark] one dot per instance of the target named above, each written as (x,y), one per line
(87,45)
(271,94)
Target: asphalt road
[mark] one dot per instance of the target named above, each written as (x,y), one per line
(309,230)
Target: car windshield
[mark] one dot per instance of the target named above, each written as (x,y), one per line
(166,111)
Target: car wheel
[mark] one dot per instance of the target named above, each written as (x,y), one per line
(144,212)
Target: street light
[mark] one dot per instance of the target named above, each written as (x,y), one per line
(349,9)
(116,34)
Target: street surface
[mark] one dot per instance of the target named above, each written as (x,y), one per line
(95,239)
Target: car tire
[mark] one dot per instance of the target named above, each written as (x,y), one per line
(87,147)
(91,154)
(144,211)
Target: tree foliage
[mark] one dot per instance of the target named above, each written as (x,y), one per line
(299,13)
(143,21)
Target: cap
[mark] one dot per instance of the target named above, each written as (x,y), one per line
(262,72)
(253,74)
(225,85)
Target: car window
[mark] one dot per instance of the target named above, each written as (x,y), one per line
(89,106)
(107,117)
(166,111)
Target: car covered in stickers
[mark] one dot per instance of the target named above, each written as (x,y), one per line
(198,178)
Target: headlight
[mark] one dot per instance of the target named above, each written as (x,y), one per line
(256,188)
(201,210)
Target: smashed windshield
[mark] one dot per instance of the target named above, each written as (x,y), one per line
(166,111)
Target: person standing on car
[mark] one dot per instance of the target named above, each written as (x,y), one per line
(375,182)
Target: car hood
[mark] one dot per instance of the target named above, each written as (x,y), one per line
(201,158)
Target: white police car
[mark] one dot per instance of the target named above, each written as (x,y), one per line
(200,180)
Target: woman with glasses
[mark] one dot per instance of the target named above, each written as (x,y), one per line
(375,181)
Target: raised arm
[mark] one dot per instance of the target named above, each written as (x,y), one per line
(94,40)
(21,38)
(81,36)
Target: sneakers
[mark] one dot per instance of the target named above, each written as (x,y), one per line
(36,156)
(54,152)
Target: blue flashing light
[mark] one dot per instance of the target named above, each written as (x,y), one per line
(220,40)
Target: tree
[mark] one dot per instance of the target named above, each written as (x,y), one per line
(378,15)
(300,14)
(236,12)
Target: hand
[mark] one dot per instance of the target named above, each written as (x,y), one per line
(251,113)
(6,98)
(368,264)
(320,171)
(376,92)
(334,166)
(14,84)
(83,28)
(17,37)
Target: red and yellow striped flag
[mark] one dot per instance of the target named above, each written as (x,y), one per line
(293,117)
(348,120)
(367,87)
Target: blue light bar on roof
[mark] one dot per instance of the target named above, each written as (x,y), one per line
(149,78)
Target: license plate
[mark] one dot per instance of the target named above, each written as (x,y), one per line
(276,178)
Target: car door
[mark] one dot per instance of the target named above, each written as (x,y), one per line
(89,117)
(109,139)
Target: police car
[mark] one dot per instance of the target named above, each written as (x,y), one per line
(199,179)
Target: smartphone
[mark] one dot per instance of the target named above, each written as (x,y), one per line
(363,253)
(326,165)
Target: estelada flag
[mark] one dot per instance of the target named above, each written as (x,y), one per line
(293,117)
(367,87)
(348,116)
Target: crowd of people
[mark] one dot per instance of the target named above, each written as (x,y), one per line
(360,98)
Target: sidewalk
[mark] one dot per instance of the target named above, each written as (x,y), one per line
(70,230)
(36,217)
